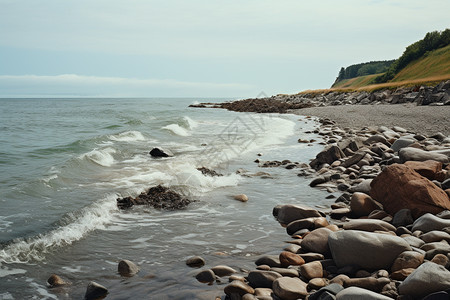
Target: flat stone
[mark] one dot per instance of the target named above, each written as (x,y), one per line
(238,287)
(310,256)
(308,223)
(262,279)
(368,283)
(365,249)
(355,293)
(426,279)
(435,236)
(290,259)
(413,241)
(428,168)
(285,272)
(402,143)
(222,271)
(407,154)
(429,222)
(269,260)
(370,225)
(289,288)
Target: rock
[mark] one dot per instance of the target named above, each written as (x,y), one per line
(366,249)
(446,184)
(55,281)
(269,260)
(397,187)
(308,223)
(286,272)
(368,225)
(308,257)
(331,290)
(290,259)
(317,283)
(440,259)
(354,159)
(127,268)
(239,288)
(195,262)
(426,279)
(415,154)
(362,204)
(401,275)
(317,241)
(402,218)
(407,259)
(262,279)
(288,288)
(438,295)
(206,276)
(435,236)
(288,213)
(340,279)
(362,187)
(241,197)
(413,241)
(369,283)
(159,152)
(312,270)
(328,156)
(355,293)
(427,168)
(159,197)
(318,180)
(402,143)
(429,222)
(95,291)
(377,139)
(222,271)
(236,277)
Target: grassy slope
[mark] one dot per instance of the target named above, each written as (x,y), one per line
(430,69)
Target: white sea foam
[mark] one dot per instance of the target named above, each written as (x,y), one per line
(176,129)
(5,271)
(128,136)
(191,123)
(101,157)
(92,217)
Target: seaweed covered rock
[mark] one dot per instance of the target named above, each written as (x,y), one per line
(159,197)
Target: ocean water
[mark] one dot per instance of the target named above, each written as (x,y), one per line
(64,162)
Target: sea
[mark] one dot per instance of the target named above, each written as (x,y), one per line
(64,162)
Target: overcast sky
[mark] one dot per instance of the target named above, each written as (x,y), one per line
(193,48)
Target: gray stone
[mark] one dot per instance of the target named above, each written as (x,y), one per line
(356,293)
(317,241)
(262,279)
(239,288)
(370,225)
(413,241)
(206,276)
(332,289)
(269,260)
(222,271)
(365,249)
(426,279)
(289,212)
(95,291)
(288,288)
(402,218)
(429,222)
(446,184)
(286,272)
(127,268)
(362,187)
(401,143)
(407,154)
(435,236)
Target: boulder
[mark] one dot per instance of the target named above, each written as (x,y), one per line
(195,262)
(368,225)
(239,288)
(402,218)
(262,279)
(328,156)
(362,204)
(312,270)
(95,291)
(426,279)
(317,241)
(288,213)
(366,249)
(159,152)
(222,271)
(397,187)
(427,168)
(288,288)
(415,154)
(407,259)
(429,222)
(127,268)
(356,293)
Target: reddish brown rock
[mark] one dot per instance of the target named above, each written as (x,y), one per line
(428,168)
(368,283)
(312,270)
(398,186)
(362,204)
(402,274)
(290,259)
(407,259)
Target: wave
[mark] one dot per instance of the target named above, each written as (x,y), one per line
(191,124)
(177,129)
(75,226)
(101,157)
(128,136)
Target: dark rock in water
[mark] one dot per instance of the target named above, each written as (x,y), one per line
(195,262)
(206,276)
(158,152)
(55,281)
(127,268)
(95,291)
(262,105)
(208,172)
(159,197)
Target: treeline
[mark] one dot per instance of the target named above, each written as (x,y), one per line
(432,41)
(362,69)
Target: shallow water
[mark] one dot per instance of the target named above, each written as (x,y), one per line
(65,161)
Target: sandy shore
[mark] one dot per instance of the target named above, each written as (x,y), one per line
(426,120)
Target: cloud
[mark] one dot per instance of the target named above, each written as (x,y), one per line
(67,85)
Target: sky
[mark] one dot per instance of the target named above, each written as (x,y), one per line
(194,48)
